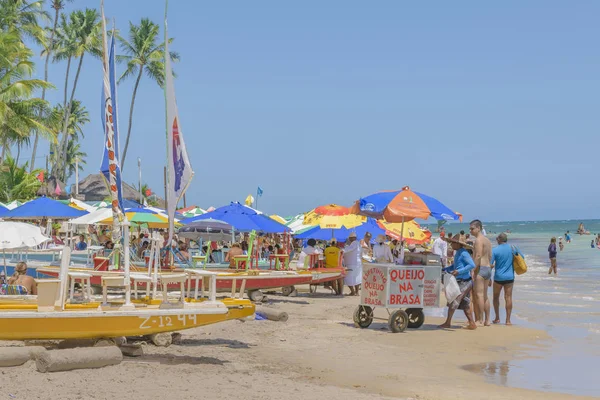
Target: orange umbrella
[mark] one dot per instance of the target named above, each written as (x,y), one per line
(333,216)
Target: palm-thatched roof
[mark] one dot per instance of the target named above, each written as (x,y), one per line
(93,188)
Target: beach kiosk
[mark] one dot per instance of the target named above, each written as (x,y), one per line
(403,290)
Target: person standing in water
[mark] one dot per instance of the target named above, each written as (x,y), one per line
(504,276)
(561,245)
(482,254)
(552,255)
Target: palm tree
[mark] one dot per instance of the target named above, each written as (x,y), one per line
(75,157)
(84,27)
(24,16)
(143,53)
(78,117)
(57,5)
(16,183)
(19,110)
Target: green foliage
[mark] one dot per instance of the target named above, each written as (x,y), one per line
(16,183)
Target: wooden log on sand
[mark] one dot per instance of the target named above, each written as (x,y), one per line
(132,350)
(14,356)
(272,314)
(80,358)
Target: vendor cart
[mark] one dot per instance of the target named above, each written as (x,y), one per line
(407,289)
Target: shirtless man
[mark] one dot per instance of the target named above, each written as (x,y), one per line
(482,254)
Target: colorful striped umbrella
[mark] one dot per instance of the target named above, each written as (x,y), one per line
(333,216)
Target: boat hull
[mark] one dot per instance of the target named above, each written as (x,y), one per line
(225,281)
(94,324)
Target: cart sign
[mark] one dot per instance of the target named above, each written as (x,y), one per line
(406,287)
(374,283)
(432,287)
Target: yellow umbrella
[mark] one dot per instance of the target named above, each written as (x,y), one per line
(333,216)
(278,218)
(151,220)
(412,232)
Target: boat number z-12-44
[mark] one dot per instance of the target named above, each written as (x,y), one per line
(160,321)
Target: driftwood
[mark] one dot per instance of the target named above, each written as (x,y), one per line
(272,314)
(14,356)
(80,358)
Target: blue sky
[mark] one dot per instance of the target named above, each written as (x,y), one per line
(490,107)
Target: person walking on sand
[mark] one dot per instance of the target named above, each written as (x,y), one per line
(461,269)
(504,276)
(482,254)
(353,264)
(552,255)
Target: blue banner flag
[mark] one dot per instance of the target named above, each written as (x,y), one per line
(259,191)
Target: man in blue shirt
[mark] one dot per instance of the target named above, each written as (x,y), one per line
(504,276)
(461,269)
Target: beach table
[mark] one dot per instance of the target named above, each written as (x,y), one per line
(406,289)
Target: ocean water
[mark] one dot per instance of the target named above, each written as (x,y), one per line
(567,306)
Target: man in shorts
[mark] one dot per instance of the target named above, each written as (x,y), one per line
(504,276)
(482,254)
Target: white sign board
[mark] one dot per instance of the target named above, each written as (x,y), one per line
(397,286)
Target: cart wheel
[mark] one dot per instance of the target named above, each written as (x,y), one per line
(313,288)
(287,290)
(398,321)
(363,316)
(416,317)
(256,295)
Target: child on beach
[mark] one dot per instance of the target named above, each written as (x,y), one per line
(561,245)
(552,255)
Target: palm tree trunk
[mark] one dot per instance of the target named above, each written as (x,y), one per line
(56,165)
(18,153)
(50,46)
(135,88)
(65,144)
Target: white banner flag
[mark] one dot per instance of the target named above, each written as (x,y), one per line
(180,171)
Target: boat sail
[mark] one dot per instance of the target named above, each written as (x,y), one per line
(180,170)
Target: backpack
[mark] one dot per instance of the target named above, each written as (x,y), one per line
(519,264)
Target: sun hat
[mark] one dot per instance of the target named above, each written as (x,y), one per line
(352,235)
(412,246)
(456,239)
(380,239)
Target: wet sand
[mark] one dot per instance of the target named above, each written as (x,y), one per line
(317,353)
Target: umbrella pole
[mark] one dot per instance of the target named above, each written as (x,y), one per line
(5,273)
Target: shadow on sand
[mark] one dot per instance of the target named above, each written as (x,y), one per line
(170,359)
(232,344)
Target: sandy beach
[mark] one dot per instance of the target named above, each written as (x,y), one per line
(317,353)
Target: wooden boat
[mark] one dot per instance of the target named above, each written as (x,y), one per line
(255,279)
(49,316)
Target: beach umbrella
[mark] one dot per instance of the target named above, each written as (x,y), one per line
(412,232)
(279,219)
(44,207)
(333,216)
(93,217)
(147,218)
(14,204)
(80,205)
(242,218)
(402,206)
(3,210)
(16,235)
(208,229)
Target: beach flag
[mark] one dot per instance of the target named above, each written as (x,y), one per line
(249,200)
(259,192)
(68,189)
(40,176)
(110,167)
(57,190)
(180,171)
